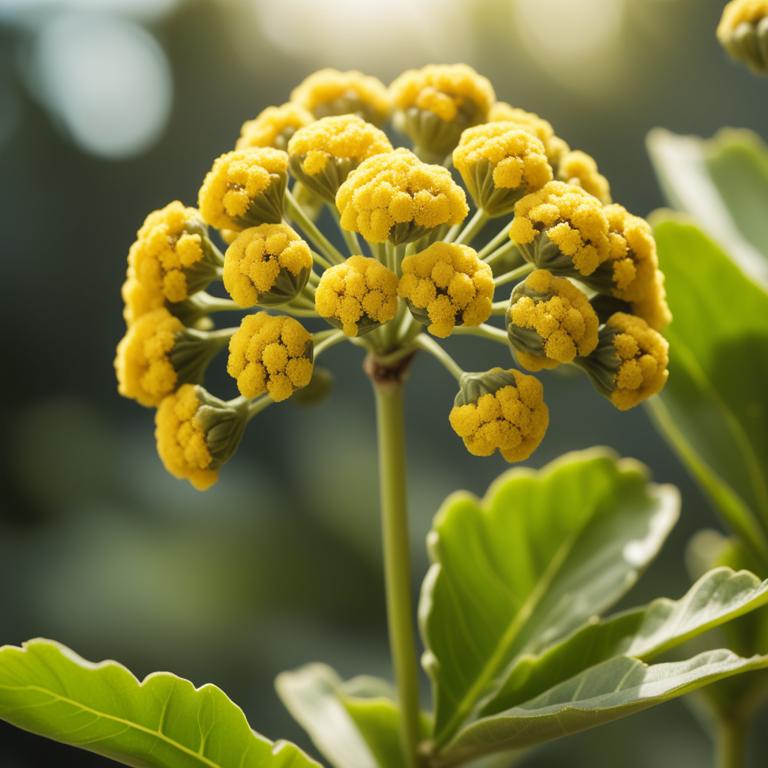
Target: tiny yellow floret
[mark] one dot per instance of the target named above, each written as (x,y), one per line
(245,188)
(323,153)
(268,264)
(500,163)
(542,129)
(358,295)
(550,321)
(273,126)
(181,439)
(170,259)
(396,196)
(270,354)
(144,370)
(447,285)
(579,168)
(330,92)
(504,413)
(561,228)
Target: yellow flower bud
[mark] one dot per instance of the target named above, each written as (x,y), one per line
(446,285)
(561,228)
(323,153)
(550,321)
(158,353)
(500,410)
(579,168)
(357,296)
(245,188)
(631,272)
(270,354)
(397,197)
(542,129)
(273,126)
(171,258)
(196,433)
(330,92)
(436,103)
(266,265)
(630,362)
(743,32)
(500,163)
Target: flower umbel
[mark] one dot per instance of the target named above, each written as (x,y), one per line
(245,188)
(396,197)
(630,362)
(579,168)
(271,355)
(550,321)
(266,265)
(273,126)
(447,285)
(358,295)
(500,411)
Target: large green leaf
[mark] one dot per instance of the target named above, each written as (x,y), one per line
(714,408)
(514,573)
(643,633)
(618,687)
(160,722)
(354,724)
(723,184)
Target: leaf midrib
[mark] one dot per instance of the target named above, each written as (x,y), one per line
(508,638)
(131,725)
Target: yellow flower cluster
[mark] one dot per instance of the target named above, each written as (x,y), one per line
(358,295)
(579,168)
(743,32)
(499,163)
(395,196)
(574,225)
(447,284)
(330,92)
(630,362)
(144,370)
(171,258)
(268,264)
(501,410)
(322,154)
(445,91)
(631,273)
(270,354)
(245,188)
(273,126)
(550,321)
(542,129)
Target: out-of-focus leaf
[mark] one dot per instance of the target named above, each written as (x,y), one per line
(518,571)
(354,724)
(160,722)
(714,409)
(618,687)
(723,184)
(643,633)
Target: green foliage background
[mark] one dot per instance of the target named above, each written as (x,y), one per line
(280,564)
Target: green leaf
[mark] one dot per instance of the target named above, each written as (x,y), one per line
(160,722)
(516,572)
(714,409)
(723,184)
(618,687)
(354,724)
(643,633)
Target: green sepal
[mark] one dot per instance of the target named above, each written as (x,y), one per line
(434,138)
(473,385)
(326,183)
(222,423)
(493,200)
(192,353)
(266,208)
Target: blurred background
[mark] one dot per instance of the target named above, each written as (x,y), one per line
(111,108)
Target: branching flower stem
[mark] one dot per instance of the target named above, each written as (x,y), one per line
(311,229)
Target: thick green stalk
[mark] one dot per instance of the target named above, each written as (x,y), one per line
(397,555)
(731,744)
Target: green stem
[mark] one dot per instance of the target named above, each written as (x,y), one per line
(325,340)
(499,239)
(430,345)
(311,230)
(484,331)
(397,564)
(514,275)
(350,238)
(731,744)
(474,225)
(502,251)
